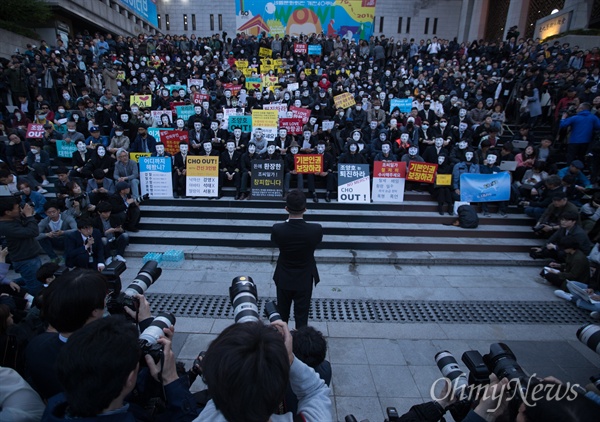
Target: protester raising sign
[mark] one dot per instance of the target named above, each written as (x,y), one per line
(344,100)
(142,101)
(35,131)
(300,48)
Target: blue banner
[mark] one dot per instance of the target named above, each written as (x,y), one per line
(404,104)
(485,187)
(314,49)
(145,9)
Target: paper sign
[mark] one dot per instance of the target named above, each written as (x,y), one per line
(65,149)
(195,82)
(404,104)
(443,180)
(270,81)
(143,101)
(267,179)
(175,87)
(235,89)
(198,98)
(300,48)
(155,177)
(265,52)
(354,183)
(308,163)
(155,131)
(264,118)
(388,181)
(35,131)
(172,138)
(135,156)
(281,108)
(389,169)
(302,113)
(241,64)
(244,122)
(202,176)
(293,125)
(228,112)
(157,116)
(315,49)
(254,83)
(293,87)
(421,172)
(184,112)
(344,100)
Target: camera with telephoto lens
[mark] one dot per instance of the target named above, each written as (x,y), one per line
(147,275)
(271,312)
(148,339)
(142,198)
(244,299)
(589,335)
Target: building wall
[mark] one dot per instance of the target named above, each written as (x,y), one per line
(447,13)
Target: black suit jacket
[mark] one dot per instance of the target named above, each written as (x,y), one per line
(74,247)
(296,266)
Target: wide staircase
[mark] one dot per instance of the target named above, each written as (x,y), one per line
(410,232)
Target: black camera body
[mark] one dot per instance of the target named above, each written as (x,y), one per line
(117,300)
(142,198)
(79,197)
(500,361)
(153,349)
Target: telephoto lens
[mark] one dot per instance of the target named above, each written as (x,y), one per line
(502,361)
(271,312)
(590,336)
(148,339)
(446,362)
(244,297)
(147,275)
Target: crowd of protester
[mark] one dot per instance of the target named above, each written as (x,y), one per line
(465,98)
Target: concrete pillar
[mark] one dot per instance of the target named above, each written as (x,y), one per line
(517,15)
(582,10)
(478,20)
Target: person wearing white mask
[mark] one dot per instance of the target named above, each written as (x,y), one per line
(230,168)
(468,165)
(327,173)
(440,191)
(432,152)
(490,166)
(179,170)
(246,170)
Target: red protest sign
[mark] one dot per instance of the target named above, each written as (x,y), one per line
(293,125)
(35,131)
(421,172)
(235,89)
(176,104)
(300,48)
(172,138)
(301,113)
(389,169)
(197,98)
(308,163)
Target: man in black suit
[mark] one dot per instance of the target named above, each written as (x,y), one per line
(296,266)
(230,163)
(84,248)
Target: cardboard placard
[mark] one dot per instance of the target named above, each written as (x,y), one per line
(142,101)
(300,48)
(354,183)
(172,138)
(421,172)
(267,179)
(35,131)
(344,100)
(302,113)
(308,163)
(202,176)
(155,176)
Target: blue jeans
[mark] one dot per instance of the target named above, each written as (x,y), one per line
(27,269)
(577,298)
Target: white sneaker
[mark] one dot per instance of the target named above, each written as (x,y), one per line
(120,258)
(45,182)
(108,261)
(563,295)
(42,191)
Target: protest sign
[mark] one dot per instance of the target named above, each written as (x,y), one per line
(353,183)
(142,101)
(241,64)
(202,176)
(404,104)
(302,113)
(266,120)
(265,52)
(300,48)
(184,112)
(227,112)
(293,87)
(281,108)
(155,177)
(269,81)
(65,149)
(172,138)
(195,82)
(155,132)
(344,100)
(315,49)
(308,163)
(421,172)
(388,181)
(293,125)
(198,98)
(244,122)
(254,83)
(443,179)
(35,131)
(485,187)
(267,179)
(234,88)
(135,156)
(157,116)
(176,87)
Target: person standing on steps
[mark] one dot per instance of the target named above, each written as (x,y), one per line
(296,266)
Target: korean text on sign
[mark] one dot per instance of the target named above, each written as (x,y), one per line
(308,163)
(421,172)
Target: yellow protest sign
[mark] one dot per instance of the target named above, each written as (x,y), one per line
(265,118)
(241,64)
(278,63)
(266,67)
(269,81)
(443,180)
(135,156)
(198,166)
(265,52)
(254,83)
(142,101)
(121,75)
(247,71)
(344,100)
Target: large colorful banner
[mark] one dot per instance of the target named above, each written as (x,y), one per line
(485,187)
(354,183)
(155,177)
(145,9)
(350,19)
